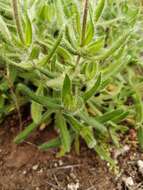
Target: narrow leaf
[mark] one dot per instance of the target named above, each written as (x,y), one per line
(36,108)
(28,31)
(64,132)
(91,92)
(54,143)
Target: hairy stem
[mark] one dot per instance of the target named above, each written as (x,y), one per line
(16,14)
(84,22)
(15,99)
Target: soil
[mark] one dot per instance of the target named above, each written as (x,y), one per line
(24,167)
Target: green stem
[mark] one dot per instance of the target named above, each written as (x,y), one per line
(17,18)
(84,22)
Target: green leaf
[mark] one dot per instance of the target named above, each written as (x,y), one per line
(116,45)
(34,54)
(91,69)
(64,132)
(138,107)
(24,134)
(54,143)
(4,29)
(85,132)
(47,58)
(95,46)
(110,116)
(104,155)
(36,108)
(120,117)
(28,30)
(30,128)
(99,9)
(94,123)
(43,100)
(114,137)
(90,32)
(67,97)
(140,136)
(91,92)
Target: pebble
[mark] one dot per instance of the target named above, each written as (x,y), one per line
(140,166)
(61,163)
(24,172)
(35,167)
(122,151)
(73,186)
(40,171)
(128,181)
(55,165)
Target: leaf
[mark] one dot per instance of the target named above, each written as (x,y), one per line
(104,155)
(64,132)
(91,92)
(116,67)
(24,134)
(43,100)
(85,132)
(115,46)
(91,69)
(140,136)
(54,143)
(99,9)
(110,116)
(90,31)
(47,58)
(74,123)
(94,123)
(95,46)
(67,97)
(114,137)
(77,144)
(30,128)
(28,30)
(4,29)
(120,117)
(138,107)
(36,109)
(34,54)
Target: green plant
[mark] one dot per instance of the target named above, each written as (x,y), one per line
(79,56)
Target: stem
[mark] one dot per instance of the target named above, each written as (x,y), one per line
(84,22)
(15,99)
(17,18)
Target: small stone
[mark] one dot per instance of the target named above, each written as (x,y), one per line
(140,166)
(73,186)
(0,150)
(24,172)
(55,165)
(121,152)
(35,167)
(73,176)
(128,181)
(40,171)
(60,163)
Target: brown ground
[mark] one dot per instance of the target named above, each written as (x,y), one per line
(23,167)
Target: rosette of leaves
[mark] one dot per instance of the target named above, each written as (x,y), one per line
(70,59)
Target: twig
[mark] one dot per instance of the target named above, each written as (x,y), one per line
(91,188)
(66,167)
(53,185)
